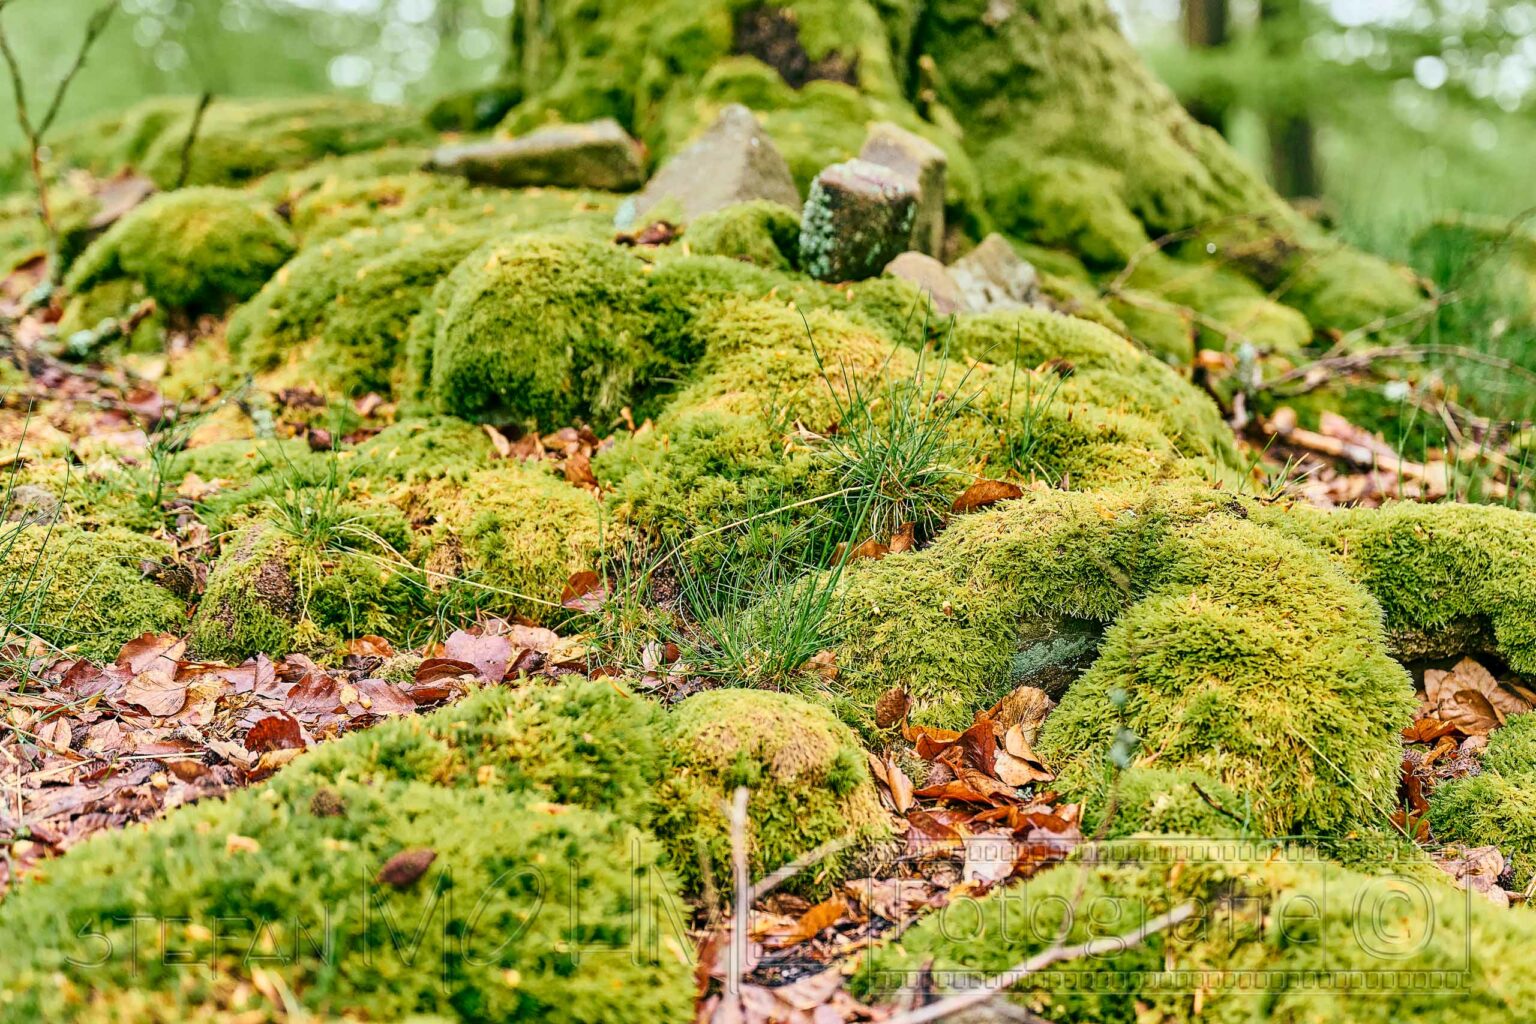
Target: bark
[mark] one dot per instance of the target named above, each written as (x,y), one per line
(1205,25)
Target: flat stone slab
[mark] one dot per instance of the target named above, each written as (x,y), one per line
(734,161)
(857,218)
(596,155)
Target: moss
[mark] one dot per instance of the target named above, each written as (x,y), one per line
(761,232)
(340,313)
(807,777)
(238,141)
(98,312)
(503,540)
(1347,290)
(536,331)
(196,250)
(1156,800)
(1446,575)
(272,594)
(1223,634)
(586,744)
(86,591)
(425,449)
(276,887)
(1297,926)
(252,604)
(1497,806)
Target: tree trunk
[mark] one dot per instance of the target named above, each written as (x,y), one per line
(1205,28)
(1292,146)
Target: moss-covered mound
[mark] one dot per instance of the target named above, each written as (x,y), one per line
(196,249)
(273,592)
(1498,805)
(1278,936)
(89,592)
(389,901)
(807,779)
(579,742)
(1223,634)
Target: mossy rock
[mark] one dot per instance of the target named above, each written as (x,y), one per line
(196,250)
(86,591)
(573,741)
(1497,806)
(1164,801)
(272,593)
(1222,634)
(418,450)
(504,539)
(807,778)
(761,232)
(524,912)
(1286,916)
(537,331)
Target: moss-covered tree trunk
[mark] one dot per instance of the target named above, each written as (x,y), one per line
(1058,134)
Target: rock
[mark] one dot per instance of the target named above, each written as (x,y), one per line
(993,276)
(732,162)
(598,154)
(857,218)
(892,146)
(932,278)
(30,503)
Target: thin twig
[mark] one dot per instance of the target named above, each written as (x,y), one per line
(1040,961)
(737,967)
(191,140)
(771,882)
(37,132)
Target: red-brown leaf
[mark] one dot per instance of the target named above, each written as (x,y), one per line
(983,493)
(275,732)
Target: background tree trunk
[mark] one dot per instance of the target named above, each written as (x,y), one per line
(1205,25)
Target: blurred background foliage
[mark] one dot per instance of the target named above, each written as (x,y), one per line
(1389,111)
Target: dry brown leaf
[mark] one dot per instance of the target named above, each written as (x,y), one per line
(1471,712)
(894,782)
(989,857)
(498,441)
(815,921)
(983,493)
(585,591)
(1017,764)
(157,694)
(1468,674)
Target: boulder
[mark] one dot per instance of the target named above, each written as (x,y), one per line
(857,218)
(734,161)
(598,155)
(893,146)
(993,276)
(932,278)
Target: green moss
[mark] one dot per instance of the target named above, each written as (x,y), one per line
(1223,634)
(270,593)
(505,539)
(526,913)
(99,310)
(1292,923)
(426,449)
(196,250)
(86,591)
(536,331)
(1156,800)
(341,311)
(238,141)
(807,777)
(1497,806)
(1447,576)
(761,232)
(586,744)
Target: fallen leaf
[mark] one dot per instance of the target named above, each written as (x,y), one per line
(585,591)
(1471,712)
(370,646)
(892,707)
(815,921)
(489,655)
(894,781)
(983,493)
(275,732)
(159,695)
(989,858)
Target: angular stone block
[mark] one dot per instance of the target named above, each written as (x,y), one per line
(858,217)
(596,155)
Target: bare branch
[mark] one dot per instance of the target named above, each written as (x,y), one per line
(93,30)
(191,140)
(740,919)
(771,882)
(1056,954)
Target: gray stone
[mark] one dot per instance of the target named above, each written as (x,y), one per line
(993,276)
(734,161)
(30,503)
(598,154)
(857,218)
(932,278)
(894,147)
